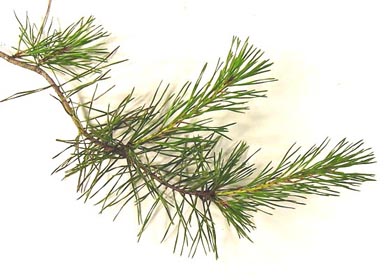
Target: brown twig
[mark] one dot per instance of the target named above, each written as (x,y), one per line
(119,149)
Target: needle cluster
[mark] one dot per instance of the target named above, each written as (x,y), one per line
(164,155)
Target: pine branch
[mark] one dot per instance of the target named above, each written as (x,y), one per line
(295,176)
(164,154)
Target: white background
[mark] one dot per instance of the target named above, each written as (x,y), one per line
(329,59)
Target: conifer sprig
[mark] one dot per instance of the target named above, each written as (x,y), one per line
(78,47)
(165,155)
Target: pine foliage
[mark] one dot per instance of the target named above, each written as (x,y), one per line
(164,155)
